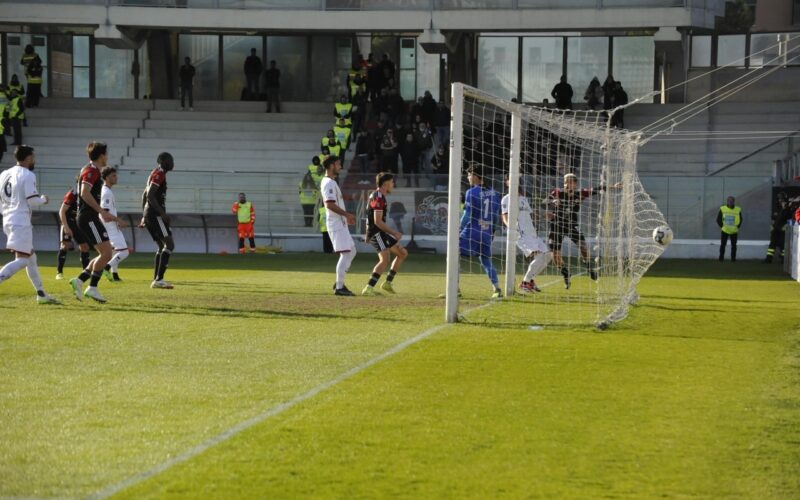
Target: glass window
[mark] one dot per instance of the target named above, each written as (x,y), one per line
(80,66)
(235,49)
(587,57)
(730,50)
(701,51)
(428,68)
(16,43)
(291,55)
(542,66)
(327,82)
(497,65)
(61,65)
(634,64)
(203,50)
(112,74)
(773,49)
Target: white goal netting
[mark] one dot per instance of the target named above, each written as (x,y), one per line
(573,236)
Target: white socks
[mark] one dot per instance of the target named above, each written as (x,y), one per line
(537,265)
(118,257)
(345,259)
(13,268)
(33,273)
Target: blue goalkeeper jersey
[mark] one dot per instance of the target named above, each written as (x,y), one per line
(481,216)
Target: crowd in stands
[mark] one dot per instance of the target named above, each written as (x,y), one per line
(14,100)
(609,95)
(383,133)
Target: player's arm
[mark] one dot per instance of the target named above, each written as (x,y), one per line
(62,217)
(32,195)
(106,202)
(378,220)
(235,208)
(333,207)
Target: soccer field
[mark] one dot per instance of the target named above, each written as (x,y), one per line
(252,380)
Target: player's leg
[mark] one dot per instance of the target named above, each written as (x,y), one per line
(167,246)
(380,267)
(344,245)
(35,278)
(400,256)
(555,241)
(64,247)
(162,235)
(586,255)
(10,269)
(104,251)
(120,253)
(485,258)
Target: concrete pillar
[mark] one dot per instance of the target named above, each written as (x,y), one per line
(670,55)
(163,72)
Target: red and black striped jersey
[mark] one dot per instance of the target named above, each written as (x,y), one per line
(90,175)
(377,203)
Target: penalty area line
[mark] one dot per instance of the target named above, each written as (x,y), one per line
(271,412)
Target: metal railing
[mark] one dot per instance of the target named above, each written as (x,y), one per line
(372,5)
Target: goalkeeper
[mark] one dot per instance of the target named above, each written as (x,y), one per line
(564,206)
(481,218)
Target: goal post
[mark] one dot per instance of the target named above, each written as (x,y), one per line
(579,222)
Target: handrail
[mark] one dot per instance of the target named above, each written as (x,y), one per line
(750,155)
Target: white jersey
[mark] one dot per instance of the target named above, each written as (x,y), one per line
(524,220)
(331,192)
(109,203)
(17,194)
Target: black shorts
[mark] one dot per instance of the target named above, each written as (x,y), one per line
(382,241)
(558,233)
(158,229)
(77,236)
(91,228)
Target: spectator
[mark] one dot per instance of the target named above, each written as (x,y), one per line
(608,92)
(397,107)
(441,168)
(381,105)
(186,75)
(309,195)
(28,59)
(387,69)
(425,142)
(618,98)
(780,215)
(441,123)
(359,110)
(253,67)
(416,110)
(365,151)
(562,93)
(410,154)
(594,94)
(389,152)
(428,107)
(272,83)
(729,219)
(374,79)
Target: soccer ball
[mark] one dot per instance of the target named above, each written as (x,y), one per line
(662,235)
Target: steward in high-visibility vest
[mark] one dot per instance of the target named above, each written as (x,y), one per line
(327,244)
(777,234)
(343,131)
(34,76)
(343,110)
(246,217)
(3,119)
(729,219)
(334,147)
(16,115)
(27,58)
(309,194)
(316,170)
(15,85)
(328,135)
(357,80)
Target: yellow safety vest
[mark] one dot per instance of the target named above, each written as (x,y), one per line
(17,87)
(317,172)
(342,134)
(16,111)
(731,218)
(26,61)
(323,223)
(3,104)
(307,196)
(243,212)
(335,150)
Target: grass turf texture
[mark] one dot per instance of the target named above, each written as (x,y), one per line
(697,393)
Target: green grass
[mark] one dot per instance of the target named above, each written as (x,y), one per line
(696,394)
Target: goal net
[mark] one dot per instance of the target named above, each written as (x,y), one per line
(549,212)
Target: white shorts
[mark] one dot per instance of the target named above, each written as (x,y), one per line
(342,240)
(529,244)
(19,238)
(116,238)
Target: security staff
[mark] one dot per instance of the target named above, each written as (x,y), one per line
(246,217)
(309,195)
(16,115)
(35,71)
(780,216)
(343,110)
(3,119)
(316,170)
(343,132)
(729,219)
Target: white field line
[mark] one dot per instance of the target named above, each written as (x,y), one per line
(271,412)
